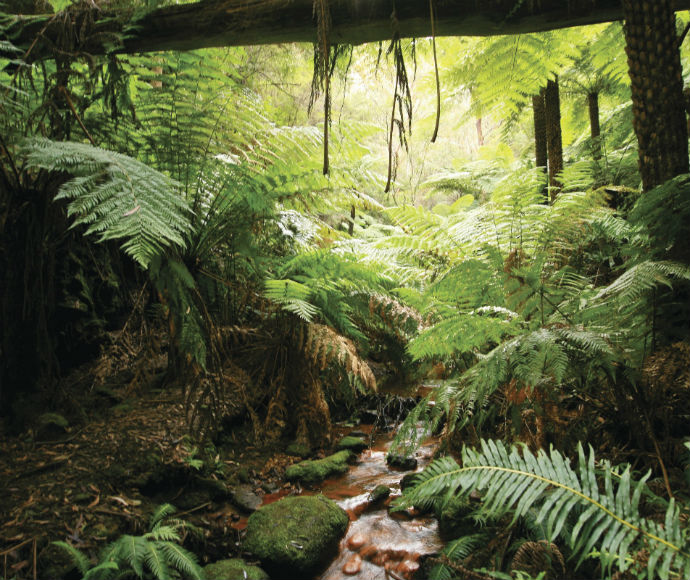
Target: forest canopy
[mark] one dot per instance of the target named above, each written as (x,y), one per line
(276,211)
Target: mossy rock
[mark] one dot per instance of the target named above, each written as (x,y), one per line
(355,444)
(379,494)
(319,469)
(298,450)
(401,462)
(296,536)
(51,426)
(233,569)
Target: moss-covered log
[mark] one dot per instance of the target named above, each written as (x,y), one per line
(248,22)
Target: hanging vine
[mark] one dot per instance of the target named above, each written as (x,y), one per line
(325,60)
(438,82)
(401,112)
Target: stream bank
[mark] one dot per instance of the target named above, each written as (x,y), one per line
(88,483)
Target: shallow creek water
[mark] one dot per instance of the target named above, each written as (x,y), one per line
(378,544)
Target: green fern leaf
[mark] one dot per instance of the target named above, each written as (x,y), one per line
(116,197)
(608,519)
(182,560)
(80,560)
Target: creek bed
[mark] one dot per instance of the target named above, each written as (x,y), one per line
(379,544)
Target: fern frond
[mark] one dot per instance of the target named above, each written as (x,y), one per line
(182,560)
(325,347)
(292,296)
(102,571)
(116,197)
(162,512)
(457,550)
(606,513)
(78,558)
(630,286)
(156,560)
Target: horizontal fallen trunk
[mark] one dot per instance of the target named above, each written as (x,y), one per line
(248,22)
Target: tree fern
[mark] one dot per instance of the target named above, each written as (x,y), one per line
(116,197)
(604,504)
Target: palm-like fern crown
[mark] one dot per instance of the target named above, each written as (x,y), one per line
(503,72)
(505,301)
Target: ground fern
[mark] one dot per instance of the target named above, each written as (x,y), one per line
(603,503)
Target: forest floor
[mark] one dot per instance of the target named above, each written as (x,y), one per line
(89,484)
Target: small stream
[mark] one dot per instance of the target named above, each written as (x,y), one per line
(379,545)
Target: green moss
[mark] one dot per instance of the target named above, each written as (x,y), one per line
(319,469)
(233,569)
(243,475)
(53,419)
(379,493)
(296,535)
(355,444)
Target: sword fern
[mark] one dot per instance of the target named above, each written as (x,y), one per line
(601,504)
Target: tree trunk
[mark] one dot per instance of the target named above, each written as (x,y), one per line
(657,90)
(554,141)
(595,127)
(480,132)
(540,149)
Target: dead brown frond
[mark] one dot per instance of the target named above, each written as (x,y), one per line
(394,314)
(537,557)
(324,347)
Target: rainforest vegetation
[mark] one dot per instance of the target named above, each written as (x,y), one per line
(225,243)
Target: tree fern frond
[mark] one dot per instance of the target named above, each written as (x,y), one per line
(325,348)
(459,334)
(630,286)
(292,296)
(116,196)
(606,514)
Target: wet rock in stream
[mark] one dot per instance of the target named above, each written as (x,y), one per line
(354,444)
(244,497)
(379,494)
(401,462)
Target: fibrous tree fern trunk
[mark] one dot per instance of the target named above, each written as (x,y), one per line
(657,89)
(594,125)
(554,140)
(540,149)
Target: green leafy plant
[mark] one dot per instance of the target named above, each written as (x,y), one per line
(592,506)
(116,197)
(155,554)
